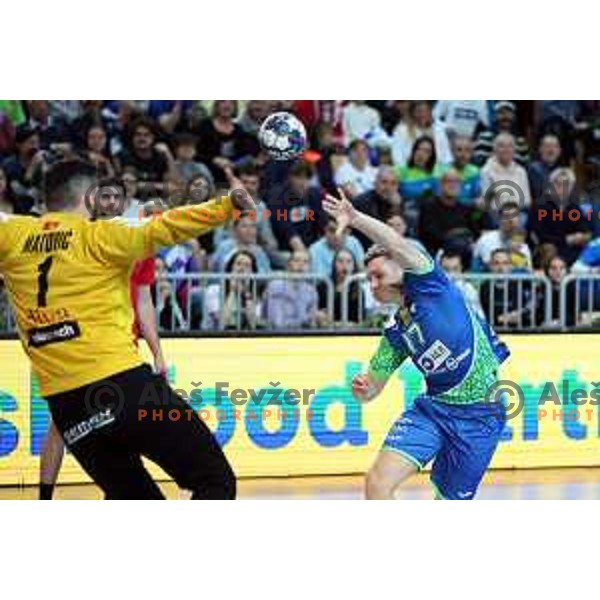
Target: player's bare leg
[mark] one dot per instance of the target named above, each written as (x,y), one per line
(387,473)
(50,461)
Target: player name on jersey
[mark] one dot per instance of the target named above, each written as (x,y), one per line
(47,242)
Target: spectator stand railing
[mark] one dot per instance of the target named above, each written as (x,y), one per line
(525,298)
(580,301)
(512,301)
(202,289)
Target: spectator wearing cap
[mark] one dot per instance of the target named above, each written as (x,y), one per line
(420,122)
(323,250)
(152,161)
(443,222)
(381,202)
(539,170)
(502,167)
(505,121)
(510,237)
(558,219)
(291,303)
(356,176)
(462,153)
(462,117)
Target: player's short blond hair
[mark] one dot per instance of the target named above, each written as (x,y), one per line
(376,251)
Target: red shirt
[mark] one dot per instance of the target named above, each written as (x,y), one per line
(142,274)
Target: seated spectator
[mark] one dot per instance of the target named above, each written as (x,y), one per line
(381,202)
(298,218)
(134,209)
(542,255)
(235,303)
(356,175)
(420,123)
(322,252)
(505,121)
(186,165)
(418,179)
(452,264)
(361,122)
(222,142)
(183,261)
(244,237)
(96,150)
(51,130)
(254,115)
(502,167)
(152,162)
(510,237)
(24,169)
(462,117)
(291,303)
(589,259)
(443,221)
(325,151)
(164,297)
(506,303)
(470,189)
(398,224)
(556,270)
(539,170)
(557,219)
(343,267)
(168,114)
(561,118)
(10,203)
(91,114)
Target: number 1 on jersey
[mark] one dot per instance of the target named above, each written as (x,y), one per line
(43,270)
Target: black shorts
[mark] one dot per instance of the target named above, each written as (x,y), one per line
(103,427)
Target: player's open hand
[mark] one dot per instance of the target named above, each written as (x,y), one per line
(341,208)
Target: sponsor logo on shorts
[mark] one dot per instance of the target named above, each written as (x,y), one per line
(81,430)
(59,332)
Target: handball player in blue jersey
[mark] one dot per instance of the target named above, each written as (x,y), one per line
(453,423)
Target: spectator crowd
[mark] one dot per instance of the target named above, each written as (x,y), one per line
(488,187)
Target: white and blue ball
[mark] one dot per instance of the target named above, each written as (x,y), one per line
(283,136)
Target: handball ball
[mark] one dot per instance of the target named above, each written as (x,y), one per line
(283,136)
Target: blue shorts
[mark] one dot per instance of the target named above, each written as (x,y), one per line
(461,438)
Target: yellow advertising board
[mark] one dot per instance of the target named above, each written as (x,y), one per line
(282,405)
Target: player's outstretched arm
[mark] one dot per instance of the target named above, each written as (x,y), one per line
(116,242)
(404,251)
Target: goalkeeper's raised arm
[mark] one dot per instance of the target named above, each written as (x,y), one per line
(404,251)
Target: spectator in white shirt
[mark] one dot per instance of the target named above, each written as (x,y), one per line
(362,122)
(503,167)
(356,175)
(419,124)
(509,237)
(462,117)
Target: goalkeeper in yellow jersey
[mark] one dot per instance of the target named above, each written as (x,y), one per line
(68,283)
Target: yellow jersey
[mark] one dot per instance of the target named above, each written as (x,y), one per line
(68,283)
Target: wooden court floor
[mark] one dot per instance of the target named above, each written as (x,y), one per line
(543,484)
